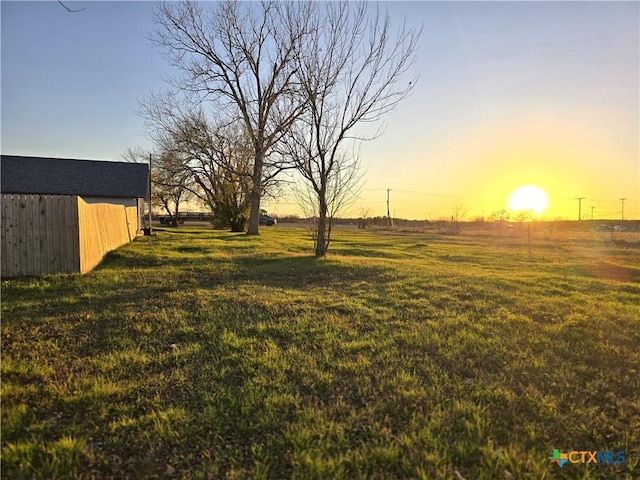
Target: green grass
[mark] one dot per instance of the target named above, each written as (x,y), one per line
(202,354)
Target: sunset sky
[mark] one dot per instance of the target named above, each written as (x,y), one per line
(509,94)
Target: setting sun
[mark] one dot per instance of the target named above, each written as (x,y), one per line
(528,198)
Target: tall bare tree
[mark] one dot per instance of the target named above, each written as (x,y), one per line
(350,72)
(241,56)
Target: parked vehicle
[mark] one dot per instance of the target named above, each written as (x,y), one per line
(186,217)
(604,228)
(266,219)
(166,220)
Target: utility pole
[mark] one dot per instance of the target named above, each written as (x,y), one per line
(148,230)
(388,211)
(592,213)
(622,201)
(580,207)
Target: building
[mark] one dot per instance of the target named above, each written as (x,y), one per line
(62,215)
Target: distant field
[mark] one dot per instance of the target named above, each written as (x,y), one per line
(203,354)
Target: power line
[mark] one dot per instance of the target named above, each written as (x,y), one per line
(432,194)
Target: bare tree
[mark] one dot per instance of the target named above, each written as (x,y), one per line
(241,57)
(365,213)
(459,213)
(171,184)
(219,159)
(135,155)
(340,190)
(522,216)
(501,215)
(350,72)
(217,155)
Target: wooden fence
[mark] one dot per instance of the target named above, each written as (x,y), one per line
(61,233)
(104,227)
(39,234)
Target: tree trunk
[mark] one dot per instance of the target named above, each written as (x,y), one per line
(174,217)
(254,196)
(322,243)
(237,224)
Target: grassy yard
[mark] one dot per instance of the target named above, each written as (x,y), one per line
(202,354)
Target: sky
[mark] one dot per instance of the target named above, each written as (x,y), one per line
(508,94)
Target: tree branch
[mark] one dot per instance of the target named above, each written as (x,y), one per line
(69,9)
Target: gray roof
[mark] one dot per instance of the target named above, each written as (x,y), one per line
(57,176)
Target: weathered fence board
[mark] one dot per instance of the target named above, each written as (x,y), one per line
(37,234)
(7,235)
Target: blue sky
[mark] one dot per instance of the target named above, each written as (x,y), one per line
(71,81)
(509,93)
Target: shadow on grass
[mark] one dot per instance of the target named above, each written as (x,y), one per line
(199,232)
(301,272)
(236,236)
